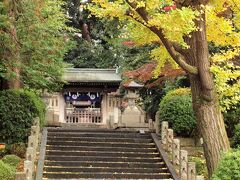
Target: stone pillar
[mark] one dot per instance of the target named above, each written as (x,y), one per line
(157,123)
(170,140)
(183,164)
(104,109)
(28,169)
(150,124)
(62,105)
(164,131)
(117,114)
(30,154)
(176,152)
(191,171)
(32,141)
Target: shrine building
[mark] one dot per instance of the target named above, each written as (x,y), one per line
(91,96)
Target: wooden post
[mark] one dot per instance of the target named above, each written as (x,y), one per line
(176,152)
(183,164)
(191,171)
(164,131)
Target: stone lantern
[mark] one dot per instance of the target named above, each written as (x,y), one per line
(133,115)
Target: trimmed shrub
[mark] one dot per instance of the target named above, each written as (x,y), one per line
(236,136)
(18,108)
(7,172)
(11,160)
(229,167)
(176,108)
(38,106)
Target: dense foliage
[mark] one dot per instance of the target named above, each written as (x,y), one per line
(33,41)
(8,166)
(229,167)
(152,96)
(7,172)
(222,32)
(18,108)
(201,168)
(232,118)
(18,149)
(11,160)
(176,108)
(100,42)
(236,136)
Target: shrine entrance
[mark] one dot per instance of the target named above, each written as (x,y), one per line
(83,107)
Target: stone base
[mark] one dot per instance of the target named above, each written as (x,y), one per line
(82,125)
(52,119)
(133,120)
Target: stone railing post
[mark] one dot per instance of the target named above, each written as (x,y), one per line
(30,154)
(164,131)
(185,169)
(157,123)
(191,171)
(28,169)
(150,124)
(200,178)
(33,141)
(176,152)
(170,140)
(183,165)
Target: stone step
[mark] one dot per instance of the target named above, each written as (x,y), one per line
(100,139)
(105,149)
(102,144)
(108,169)
(67,175)
(102,154)
(103,164)
(105,159)
(102,134)
(72,129)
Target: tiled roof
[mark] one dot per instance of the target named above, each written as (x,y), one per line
(91,75)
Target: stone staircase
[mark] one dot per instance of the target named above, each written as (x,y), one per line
(102,154)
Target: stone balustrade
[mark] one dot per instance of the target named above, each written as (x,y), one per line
(31,153)
(179,158)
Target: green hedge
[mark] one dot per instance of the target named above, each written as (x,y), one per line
(18,108)
(229,167)
(11,160)
(7,172)
(176,108)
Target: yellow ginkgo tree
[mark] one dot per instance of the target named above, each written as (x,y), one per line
(183,29)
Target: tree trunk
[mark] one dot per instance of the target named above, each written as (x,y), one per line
(15,66)
(210,122)
(210,125)
(15,83)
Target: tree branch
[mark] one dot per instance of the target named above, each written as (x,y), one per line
(180,60)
